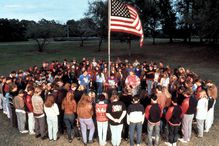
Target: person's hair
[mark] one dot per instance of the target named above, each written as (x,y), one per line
(73,85)
(21,91)
(102,97)
(85,99)
(159,87)
(69,96)
(136,98)
(187,92)
(212,91)
(81,88)
(30,88)
(154,97)
(8,78)
(105,95)
(38,90)
(175,100)
(67,86)
(114,92)
(113,97)
(50,100)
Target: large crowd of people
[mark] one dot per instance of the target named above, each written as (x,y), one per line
(80,99)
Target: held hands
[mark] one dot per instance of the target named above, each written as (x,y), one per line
(117,120)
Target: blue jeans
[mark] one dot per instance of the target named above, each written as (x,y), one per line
(173,133)
(7,96)
(99,88)
(149,86)
(69,121)
(132,127)
(150,129)
(52,123)
(116,131)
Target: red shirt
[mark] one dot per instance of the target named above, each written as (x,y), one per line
(101,112)
(28,103)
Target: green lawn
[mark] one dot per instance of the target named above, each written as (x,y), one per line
(24,54)
(17,55)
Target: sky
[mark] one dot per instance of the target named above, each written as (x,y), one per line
(58,10)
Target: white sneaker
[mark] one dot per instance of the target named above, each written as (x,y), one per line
(207,130)
(138,144)
(153,137)
(167,143)
(25,131)
(182,140)
(32,133)
(174,144)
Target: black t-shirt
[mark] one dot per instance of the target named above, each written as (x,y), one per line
(154,113)
(192,105)
(150,75)
(115,109)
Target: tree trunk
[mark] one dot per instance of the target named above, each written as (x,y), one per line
(201,40)
(100,43)
(185,39)
(153,40)
(171,39)
(41,44)
(190,39)
(82,42)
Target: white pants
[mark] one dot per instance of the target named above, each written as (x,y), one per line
(4,105)
(1,98)
(102,128)
(116,132)
(210,118)
(31,123)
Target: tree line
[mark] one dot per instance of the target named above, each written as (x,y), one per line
(160,18)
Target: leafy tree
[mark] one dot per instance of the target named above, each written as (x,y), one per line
(12,30)
(152,17)
(210,20)
(168,18)
(86,28)
(185,10)
(73,28)
(98,11)
(42,31)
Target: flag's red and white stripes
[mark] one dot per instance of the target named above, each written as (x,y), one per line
(130,25)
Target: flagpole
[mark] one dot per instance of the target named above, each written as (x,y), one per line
(109,33)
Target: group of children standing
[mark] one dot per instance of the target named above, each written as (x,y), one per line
(139,98)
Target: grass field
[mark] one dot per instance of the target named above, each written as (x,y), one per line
(200,59)
(23,54)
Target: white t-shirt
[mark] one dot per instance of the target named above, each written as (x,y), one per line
(202,109)
(52,111)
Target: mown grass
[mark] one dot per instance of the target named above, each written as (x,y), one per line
(17,55)
(23,55)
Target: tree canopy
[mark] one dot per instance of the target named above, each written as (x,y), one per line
(160,18)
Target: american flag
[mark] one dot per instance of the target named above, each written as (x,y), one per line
(124,18)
